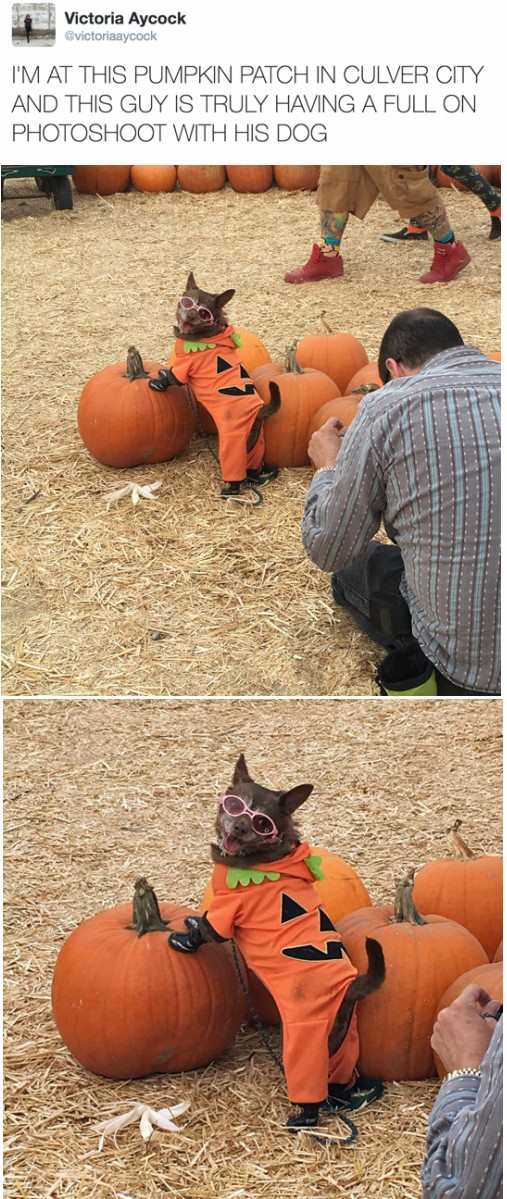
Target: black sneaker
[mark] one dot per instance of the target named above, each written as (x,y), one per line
(355,1095)
(264,475)
(305,1115)
(230,490)
(495,232)
(406,234)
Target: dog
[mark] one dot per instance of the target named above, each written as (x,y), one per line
(207,357)
(263,896)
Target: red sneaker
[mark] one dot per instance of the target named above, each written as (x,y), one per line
(319,266)
(448,260)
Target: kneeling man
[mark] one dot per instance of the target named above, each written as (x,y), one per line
(422,457)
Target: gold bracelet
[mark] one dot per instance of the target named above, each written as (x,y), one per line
(467,1072)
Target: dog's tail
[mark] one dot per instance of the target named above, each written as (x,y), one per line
(362,985)
(268,409)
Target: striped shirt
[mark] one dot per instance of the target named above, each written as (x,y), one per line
(464,1146)
(423,455)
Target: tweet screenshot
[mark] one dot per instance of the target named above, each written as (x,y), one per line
(251,535)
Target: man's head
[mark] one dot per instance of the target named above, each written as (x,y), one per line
(412,338)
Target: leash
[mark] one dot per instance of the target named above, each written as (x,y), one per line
(275,1057)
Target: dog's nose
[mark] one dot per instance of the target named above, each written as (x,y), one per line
(241,824)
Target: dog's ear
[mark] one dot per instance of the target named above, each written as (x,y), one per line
(224,298)
(290,800)
(241,774)
(191,284)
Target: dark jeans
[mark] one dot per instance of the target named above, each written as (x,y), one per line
(369,588)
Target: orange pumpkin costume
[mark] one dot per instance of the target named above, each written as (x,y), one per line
(220,382)
(273,912)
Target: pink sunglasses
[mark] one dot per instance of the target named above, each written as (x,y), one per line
(233,805)
(187,303)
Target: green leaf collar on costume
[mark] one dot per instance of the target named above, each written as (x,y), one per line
(314,866)
(243,876)
(191,347)
(236,338)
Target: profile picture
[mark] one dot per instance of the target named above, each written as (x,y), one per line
(33,25)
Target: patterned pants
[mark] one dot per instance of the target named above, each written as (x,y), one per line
(476,183)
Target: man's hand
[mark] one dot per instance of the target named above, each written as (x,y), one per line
(325,444)
(460,1035)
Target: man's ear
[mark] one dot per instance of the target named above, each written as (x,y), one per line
(224,298)
(241,774)
(290,800)
(191,284)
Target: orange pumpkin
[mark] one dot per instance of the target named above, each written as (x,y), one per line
(292,178)
(201,179)
(302,393)
(345,409)
(467,889)
(489,976)
(492,174)
(250,179)
(124,423)
(367,376)
(422,958)
(154,178)
(495,356)
(498,956)
(127,1005)
(443,180)
(340,891)
(338,355)
(252,351)
(101,181)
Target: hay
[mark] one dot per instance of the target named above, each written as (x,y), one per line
(97,793)
(238,607)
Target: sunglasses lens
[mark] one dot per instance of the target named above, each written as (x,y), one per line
(233,805)
(205,314)
(262,824)
(186,302)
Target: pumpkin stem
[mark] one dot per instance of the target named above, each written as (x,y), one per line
(458,846)
(293,366)
(364,389)
(135,368)
(404,906)
(146,916)
(325,323)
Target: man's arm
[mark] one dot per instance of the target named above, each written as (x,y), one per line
(464,1147)
(344,504)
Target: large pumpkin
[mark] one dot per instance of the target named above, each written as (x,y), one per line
(495,356)
(250,179)
(302,393)
(367,376)
(128,1005)
(340,891)
(338,355)
(201,179)
(344,409)
(498,954)
(252,351)
(124,423)
(101,181)
(154,178)
(489,976)
(423,956)
(292,178)
(467,889)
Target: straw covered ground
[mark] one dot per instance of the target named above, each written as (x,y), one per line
(186,595)
(97,793)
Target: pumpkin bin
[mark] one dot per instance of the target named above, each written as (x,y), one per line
(340,891)
(123,422)
(465,888)
(423,956)
(101,181)
(126,1005)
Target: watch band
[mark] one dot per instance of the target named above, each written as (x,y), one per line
(466,1072)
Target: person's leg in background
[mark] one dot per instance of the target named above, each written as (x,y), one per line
(325,261)
(449,256)
(473,181)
